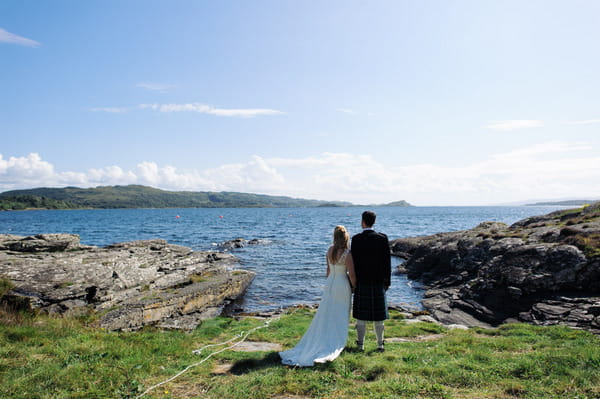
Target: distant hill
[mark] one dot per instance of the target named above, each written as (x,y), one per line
(136,196)
(398,203)
(563,203)
(21,202)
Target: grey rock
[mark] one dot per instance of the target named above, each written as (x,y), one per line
(543,270)
(40,243)
(133,284)
(427,319)
(253,346)
(457,327)
(241,243)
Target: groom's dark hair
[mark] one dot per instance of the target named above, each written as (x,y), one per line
(368,217)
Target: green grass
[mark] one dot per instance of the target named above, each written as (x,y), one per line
(50,357)
(196,278)
(5,285)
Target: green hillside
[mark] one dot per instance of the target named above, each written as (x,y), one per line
(22,202)
(135,196)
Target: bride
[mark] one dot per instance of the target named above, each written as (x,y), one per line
(326,337)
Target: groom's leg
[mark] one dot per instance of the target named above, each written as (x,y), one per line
(361,331)
(379,333)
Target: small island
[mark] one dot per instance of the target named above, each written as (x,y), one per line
(397,203)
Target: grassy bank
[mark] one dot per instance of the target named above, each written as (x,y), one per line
(47,357)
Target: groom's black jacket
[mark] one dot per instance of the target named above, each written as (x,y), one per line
(371,256)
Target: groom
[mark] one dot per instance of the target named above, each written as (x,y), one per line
(372,263)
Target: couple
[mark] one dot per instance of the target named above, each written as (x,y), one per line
(365,268)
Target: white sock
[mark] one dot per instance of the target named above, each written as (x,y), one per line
(361,331)
(379,332)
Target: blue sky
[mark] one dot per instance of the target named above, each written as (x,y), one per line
(434,102)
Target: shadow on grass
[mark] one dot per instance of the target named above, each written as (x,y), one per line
(363,352)
(272,359)
(353,349)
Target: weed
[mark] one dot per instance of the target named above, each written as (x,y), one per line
(5,286)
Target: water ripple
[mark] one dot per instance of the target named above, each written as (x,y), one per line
(290,269)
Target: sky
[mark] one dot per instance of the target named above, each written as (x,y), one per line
(434,102)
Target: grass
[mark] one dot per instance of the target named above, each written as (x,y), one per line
(197,278)
(5,285)
(588,243)
(54,357)
(65,284)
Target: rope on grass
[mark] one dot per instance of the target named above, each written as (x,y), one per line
(242,336)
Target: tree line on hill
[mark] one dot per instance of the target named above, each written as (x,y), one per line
(136,196)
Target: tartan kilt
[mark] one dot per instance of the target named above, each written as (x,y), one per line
(369,302)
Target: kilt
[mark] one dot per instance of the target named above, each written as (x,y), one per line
(369,302)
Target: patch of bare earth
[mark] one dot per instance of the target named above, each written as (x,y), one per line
(420,338)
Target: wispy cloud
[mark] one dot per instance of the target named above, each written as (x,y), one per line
(114,110)
(7,37)
(515,124)
(345,110)
(546,170)
(585,122)
(207,109)
(153,86)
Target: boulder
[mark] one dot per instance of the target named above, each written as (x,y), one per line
(241,243)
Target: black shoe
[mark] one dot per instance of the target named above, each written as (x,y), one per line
(360,346)
(381,349)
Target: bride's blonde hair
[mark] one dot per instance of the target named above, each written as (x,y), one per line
(340,242)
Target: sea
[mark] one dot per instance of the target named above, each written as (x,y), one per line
(289,262)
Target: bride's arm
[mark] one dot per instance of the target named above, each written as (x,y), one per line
(350,268)
(327,259)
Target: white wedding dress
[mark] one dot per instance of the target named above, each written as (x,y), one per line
(326,337)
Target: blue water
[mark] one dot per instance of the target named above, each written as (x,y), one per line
(290,269)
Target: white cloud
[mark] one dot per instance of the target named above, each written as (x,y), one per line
(514,124)
(545,170)
(584,122)
(345,110)
(114,110)
(256,176)
(207,109)
(110,175)
(153,86)
(23,170)
(7,37)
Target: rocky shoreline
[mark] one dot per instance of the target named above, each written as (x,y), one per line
(543,270)
(131,284)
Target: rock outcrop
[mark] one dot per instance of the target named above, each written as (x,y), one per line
(130,284)
(543,270)
(241,243)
